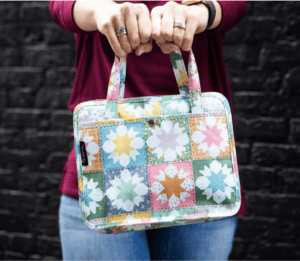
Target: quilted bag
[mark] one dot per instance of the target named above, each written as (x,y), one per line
(152,162)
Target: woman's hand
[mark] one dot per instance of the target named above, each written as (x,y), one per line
(134,18)
(170,38)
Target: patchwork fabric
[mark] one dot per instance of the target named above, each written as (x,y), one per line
(91,139)
(176,106)
(209,137)
(172,185)
(169,215)
(127,190)
(215,182)
(111,110)
(213,105)
(197,102)
(139,109)
(153,162)
(127,218)
(167,139)
(125,222)
(91,189)
(180,72)
(91,114)
(123,145)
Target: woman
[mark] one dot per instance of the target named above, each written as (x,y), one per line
(127,29)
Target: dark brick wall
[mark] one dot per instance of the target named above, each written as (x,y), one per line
(262,55)
(37,58)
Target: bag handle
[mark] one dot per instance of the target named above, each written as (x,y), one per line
(186,84)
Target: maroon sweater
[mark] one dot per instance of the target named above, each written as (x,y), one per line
(94,59)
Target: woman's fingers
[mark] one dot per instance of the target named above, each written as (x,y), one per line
(156,18)
(168,47)
(168,37)
(134,18)
(163,25)
(178,31)
(144,23)
(109,30)
(138,25)
(132,28)
(188,37)
(167,25)
(144,48)
(162,30)
(123,38)
(177,24)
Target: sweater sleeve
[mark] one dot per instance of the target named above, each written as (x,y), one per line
(62,14)
(232,13)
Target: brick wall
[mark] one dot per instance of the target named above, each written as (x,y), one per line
(36,76)
(262,55)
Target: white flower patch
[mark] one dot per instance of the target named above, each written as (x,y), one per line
(91,114)
(216,182)
(139,111)
(137,226)
(214,105)
(198,105)
(168,140)
(172,186)
(92,195)
(123,144)
(212,136)
(109,113)
(127,191)
(180,105)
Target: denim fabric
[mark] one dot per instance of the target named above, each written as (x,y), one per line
(204,241)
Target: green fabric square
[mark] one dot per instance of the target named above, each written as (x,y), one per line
(176,213)
(215,183)
(161,213)
(176,106)
(111,110)
(94,195)
(186,211)
(167,139)
(197,102)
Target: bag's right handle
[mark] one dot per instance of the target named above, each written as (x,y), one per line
(193,81)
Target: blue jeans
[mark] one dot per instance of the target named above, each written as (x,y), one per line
(204,241)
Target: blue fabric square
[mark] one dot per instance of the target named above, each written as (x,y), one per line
(127,190)
(123,145)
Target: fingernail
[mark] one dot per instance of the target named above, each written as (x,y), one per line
(140,52)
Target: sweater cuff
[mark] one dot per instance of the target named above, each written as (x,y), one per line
(227,15)
(220,27)
(67,19)
(74,26)
(232,13)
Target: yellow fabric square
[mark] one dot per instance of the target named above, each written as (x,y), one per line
(139,109)
(131,216)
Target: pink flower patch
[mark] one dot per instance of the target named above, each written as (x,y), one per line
(171,185)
